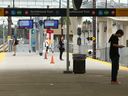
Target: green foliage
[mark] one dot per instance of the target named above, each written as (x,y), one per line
(87,22)
(64,20)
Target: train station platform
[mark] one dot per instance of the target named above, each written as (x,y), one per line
(28,74)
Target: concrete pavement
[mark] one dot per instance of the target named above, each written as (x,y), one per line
(31,75)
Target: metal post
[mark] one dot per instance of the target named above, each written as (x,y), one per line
(9,32)
(3,33)
(67,35)
(94,31)
(127,3)
(48,17)
(30,49)
(29,34)
(119,1)
(106,3)
(9,24)
(40,38)
(106,40)
(59,3)
(13,3)
(61,19)
(62,26)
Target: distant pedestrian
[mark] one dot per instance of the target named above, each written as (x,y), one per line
(114,54)
(61,47)
(47,45)
(15,42)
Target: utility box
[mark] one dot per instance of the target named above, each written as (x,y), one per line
(79,64)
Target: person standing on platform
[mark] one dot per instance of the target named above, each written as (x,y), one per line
(61,47)
(114,54)
(47,45)
(15,43)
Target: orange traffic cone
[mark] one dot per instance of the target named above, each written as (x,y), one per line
(52,60)
(45,57)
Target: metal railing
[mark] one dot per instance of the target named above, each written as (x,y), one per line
(103,54)
(4,47)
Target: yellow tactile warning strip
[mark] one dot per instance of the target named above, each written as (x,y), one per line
(2,56)
(108,63)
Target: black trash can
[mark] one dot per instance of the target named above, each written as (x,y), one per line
(79,63)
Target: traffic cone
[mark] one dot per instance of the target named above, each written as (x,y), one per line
(52,60)
(45,57)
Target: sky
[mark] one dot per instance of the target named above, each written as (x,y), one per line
(121,1)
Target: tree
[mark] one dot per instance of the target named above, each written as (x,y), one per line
(63,20)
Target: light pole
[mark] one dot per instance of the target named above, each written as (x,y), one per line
(94,31)
(9,32)
(67,36)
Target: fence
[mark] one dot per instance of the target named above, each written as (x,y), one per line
(1,41)
(103,54)
(4,47)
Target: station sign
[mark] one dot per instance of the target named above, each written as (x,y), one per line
(58,12)
(63,11)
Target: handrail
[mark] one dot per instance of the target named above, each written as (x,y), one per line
(4,47)
(1,46)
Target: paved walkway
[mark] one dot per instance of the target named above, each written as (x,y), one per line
(28,74)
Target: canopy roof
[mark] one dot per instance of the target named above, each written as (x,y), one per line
(62,3)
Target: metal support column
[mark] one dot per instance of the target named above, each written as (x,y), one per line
(41,37)
(67,36)
(94,31)
(9,32)
(3,32)
(61,19)
(13,3)
(106,3)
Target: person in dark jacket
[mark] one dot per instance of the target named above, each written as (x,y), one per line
(15,42)
(114,54)
(61,46)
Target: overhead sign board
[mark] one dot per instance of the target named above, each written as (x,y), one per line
(62,12)
(34,12)
(58,12)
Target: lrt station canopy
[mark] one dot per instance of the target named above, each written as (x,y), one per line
(62,3)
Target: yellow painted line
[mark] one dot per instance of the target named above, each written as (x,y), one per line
(2,56)
(107,63)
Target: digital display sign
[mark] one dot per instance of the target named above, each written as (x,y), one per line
(51,24)
(25,24)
